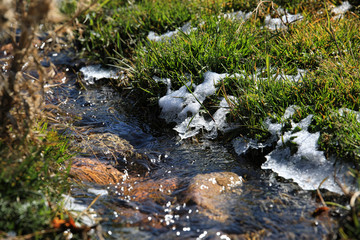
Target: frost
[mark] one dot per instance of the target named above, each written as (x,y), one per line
(357,114)
(87,219)
(96,72)
(152,36)
(242,144)
(183,106)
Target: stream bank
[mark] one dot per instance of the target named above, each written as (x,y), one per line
(152,186)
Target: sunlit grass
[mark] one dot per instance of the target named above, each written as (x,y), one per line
(325,46)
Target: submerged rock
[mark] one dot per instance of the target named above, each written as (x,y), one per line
(119,152)
(211,191)
(95,171)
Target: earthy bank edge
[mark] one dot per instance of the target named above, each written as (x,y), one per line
(323,43)
(33,157)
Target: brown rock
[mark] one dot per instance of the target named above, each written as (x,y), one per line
(156,190)
(118,151)
(106,145)
(212,191)
(93,170)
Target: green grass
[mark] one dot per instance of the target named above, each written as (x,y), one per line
(32,182)
(326,47)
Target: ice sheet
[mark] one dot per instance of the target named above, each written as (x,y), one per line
(280,23)
(240,15)
(96,72)
(342,9)
(70,204)
(307,166)
(152,36)
(183,107)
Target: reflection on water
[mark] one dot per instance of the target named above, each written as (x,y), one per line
(166,202)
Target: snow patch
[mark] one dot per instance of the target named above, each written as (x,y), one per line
(346,110)
(101,192)
(240,15)
(242,144)
(183,106)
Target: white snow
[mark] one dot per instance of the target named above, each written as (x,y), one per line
(184,107)
(96,72)
(240,15)
(346,110)
(242,144)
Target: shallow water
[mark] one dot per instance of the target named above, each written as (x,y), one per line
(267,207)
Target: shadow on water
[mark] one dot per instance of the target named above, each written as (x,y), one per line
(167,202)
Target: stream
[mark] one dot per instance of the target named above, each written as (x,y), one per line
(188,190)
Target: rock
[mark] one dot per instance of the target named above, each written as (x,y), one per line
(95,171)
(143,190)
(119,152)
(212,191)
(105,145)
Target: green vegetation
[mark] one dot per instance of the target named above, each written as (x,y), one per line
(33,175)
(324,45)
(31,182)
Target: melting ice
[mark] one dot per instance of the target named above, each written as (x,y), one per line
(342,9)
(152,36)
(183,107)
(279,23)
(308,166)
(96,72)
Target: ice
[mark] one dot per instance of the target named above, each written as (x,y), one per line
(343,8)
(152,36)
(307,166)
(346,110)
(77,209)
(173,103)
(176,105)
(240,15)
(191,126)
(96,72)
(101,192)
(280,23)
(183,107)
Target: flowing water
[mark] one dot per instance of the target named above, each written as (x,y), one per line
(155,205)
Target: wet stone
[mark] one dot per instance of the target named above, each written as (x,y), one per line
(213,191)
(95,171)
(141,190)
(119,152)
